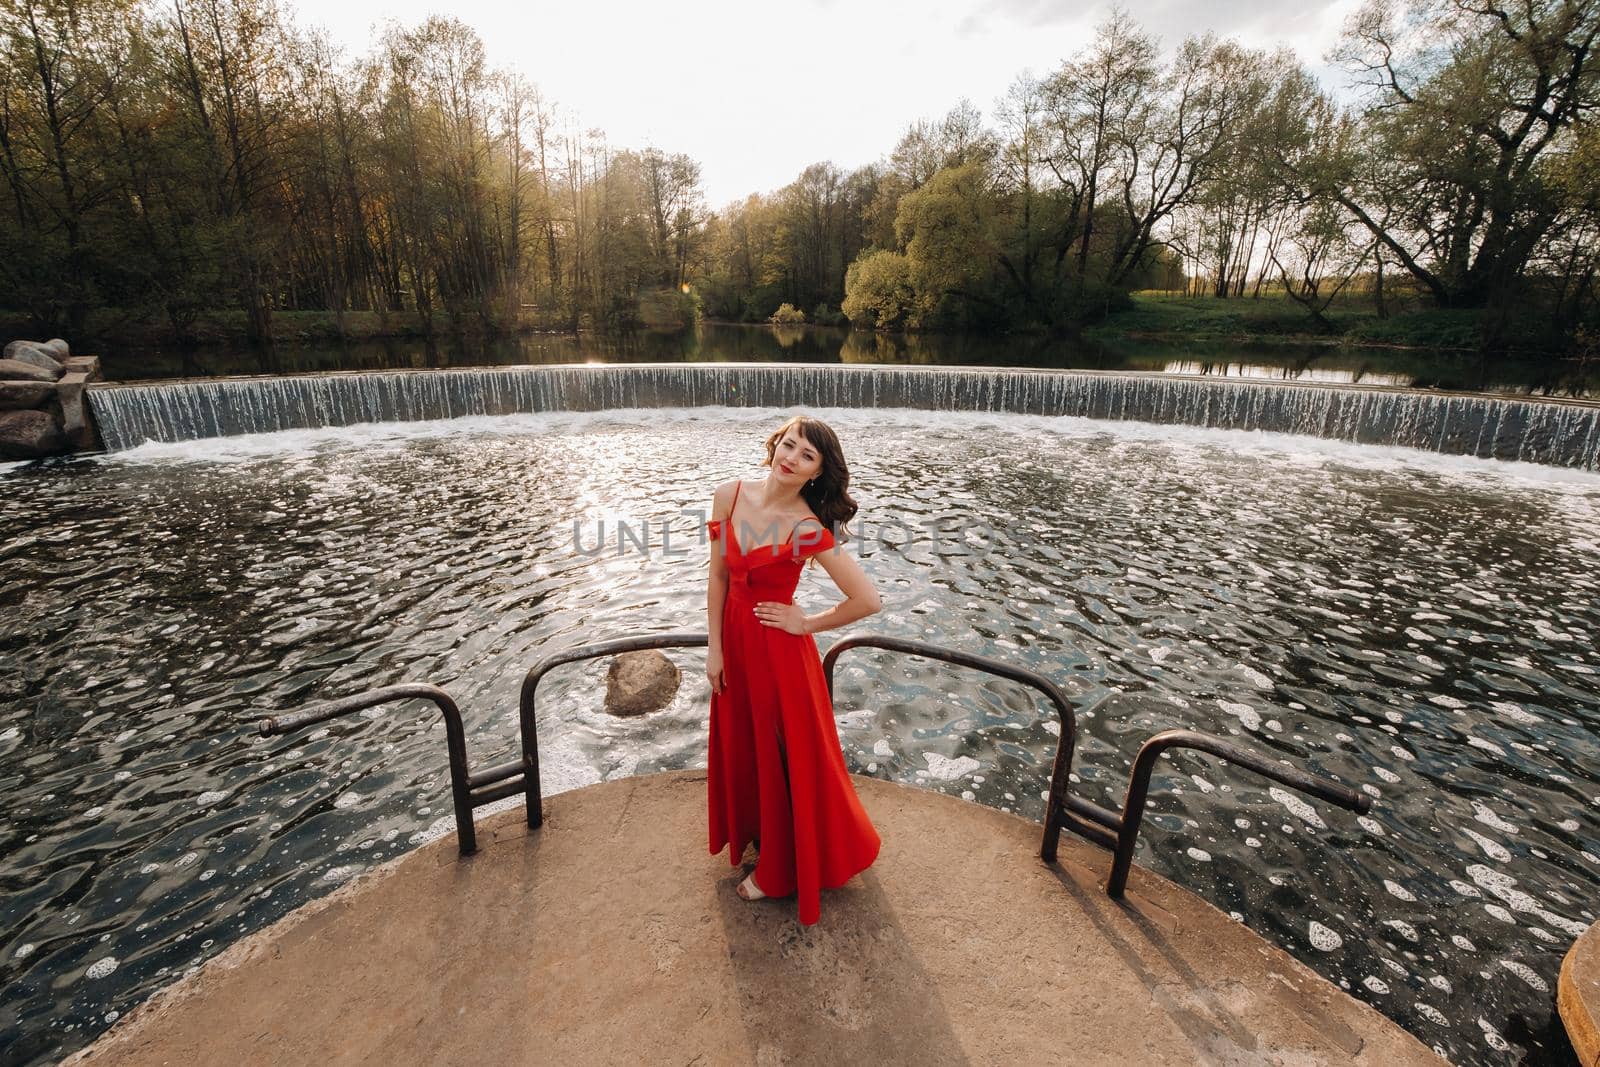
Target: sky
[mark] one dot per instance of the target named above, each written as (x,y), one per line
(755,92)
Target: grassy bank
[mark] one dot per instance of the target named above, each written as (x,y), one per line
(1274,317)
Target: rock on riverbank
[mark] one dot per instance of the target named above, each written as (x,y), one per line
(42,408)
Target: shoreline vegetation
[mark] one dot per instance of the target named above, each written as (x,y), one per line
(187,174)
(1149,316)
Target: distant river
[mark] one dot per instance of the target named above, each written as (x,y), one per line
(773,344)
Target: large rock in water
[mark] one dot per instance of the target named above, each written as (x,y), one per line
(16,370)
(15,396)
(640,682)
(29,435)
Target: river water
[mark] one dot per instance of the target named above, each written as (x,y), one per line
(1419,626)
(716,342)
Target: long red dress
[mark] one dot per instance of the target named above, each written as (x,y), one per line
(812,830)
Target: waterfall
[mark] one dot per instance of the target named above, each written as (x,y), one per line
(1559,433)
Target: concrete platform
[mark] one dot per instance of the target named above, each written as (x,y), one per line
(1578,996)
(611,936)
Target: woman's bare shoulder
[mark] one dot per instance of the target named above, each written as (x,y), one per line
(722,499)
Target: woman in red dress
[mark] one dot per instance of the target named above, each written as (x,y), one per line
(775,775)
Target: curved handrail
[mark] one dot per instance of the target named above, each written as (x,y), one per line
(1060,775)
(455,738)
(1117,831)
(530,687)
(1144,763)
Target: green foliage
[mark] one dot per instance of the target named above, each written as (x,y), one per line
(877,291)
(945,230)
(823,315)
(669,310)
(213,168)
(787,315)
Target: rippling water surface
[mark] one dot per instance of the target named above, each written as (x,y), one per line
(1420,626)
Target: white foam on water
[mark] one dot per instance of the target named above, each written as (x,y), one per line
(946,769)
(1462,943)
(1527,974)
(24,951)
(1432,1014)
(1403,928)
(1504,886)
(1483,814)
(246,448)
(210,797)
(1297,807)
(1487,746)
(881,749)
(1261,680)
(1493,849)
(101,967)
(1398,891)
(1322,938)
(1491,1036)
(1243,712)
(1376,984)
(1198,854)
(1370,825)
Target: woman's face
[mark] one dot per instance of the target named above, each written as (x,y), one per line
(795,458)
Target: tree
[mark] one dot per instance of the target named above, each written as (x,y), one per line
(946,230)
(878,291)
(1471,103)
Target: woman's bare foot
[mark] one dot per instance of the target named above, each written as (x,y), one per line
(748,890)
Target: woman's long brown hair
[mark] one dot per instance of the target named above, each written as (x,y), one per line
(829,495)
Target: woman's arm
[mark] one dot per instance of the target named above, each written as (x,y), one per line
(717,579)
(860,597)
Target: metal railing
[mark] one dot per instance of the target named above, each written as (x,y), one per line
(1115,831)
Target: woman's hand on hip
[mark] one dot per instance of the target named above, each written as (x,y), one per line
(786,617)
